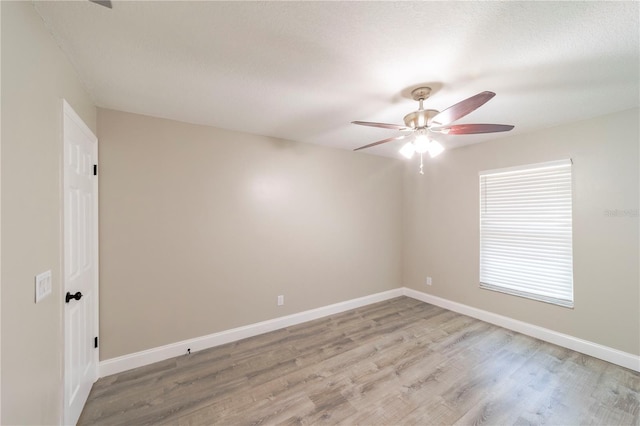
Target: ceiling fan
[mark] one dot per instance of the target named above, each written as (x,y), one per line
(423,122)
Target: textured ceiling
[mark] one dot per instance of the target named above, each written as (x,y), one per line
(304,70)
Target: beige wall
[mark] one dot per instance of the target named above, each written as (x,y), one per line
(441,236)
(35,78)
(201,229)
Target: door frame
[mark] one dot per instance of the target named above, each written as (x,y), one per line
(69,112)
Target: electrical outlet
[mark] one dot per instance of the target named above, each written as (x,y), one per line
(429,281)
(280,300)
(43,285)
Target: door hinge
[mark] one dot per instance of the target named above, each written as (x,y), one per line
(95,170)
(95,342)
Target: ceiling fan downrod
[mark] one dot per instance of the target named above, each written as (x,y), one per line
(421,118)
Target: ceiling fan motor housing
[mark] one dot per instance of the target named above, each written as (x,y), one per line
(420,119)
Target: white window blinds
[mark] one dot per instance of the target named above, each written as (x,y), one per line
(525,232)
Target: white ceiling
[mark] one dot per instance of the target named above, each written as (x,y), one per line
(304,70)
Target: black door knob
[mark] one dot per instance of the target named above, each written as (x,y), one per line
(70,296)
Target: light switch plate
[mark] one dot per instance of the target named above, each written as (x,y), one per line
(43,285)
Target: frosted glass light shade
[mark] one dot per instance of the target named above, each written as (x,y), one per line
(421,144)
(408,150)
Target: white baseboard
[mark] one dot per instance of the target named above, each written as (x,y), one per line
(149,356)
(596,350)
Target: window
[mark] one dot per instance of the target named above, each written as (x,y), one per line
(525,232)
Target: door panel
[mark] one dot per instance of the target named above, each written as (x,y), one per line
(80,263)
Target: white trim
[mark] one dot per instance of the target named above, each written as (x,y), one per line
(545,165)
(149,356)
(596,350)
(73,115)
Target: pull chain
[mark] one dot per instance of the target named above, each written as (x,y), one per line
(421,171)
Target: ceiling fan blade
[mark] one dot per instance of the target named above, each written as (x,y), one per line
(469,129)
(462,108)
(397,138)
(383,125)
(105,3)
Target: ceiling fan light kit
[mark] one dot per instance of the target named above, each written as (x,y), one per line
(425,121)
(408,150)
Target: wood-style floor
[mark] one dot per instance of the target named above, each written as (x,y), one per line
(392,363)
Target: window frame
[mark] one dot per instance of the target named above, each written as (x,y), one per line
(509,284)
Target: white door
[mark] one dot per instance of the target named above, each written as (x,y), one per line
(80,263)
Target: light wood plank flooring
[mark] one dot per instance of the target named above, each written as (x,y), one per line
(396,362)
